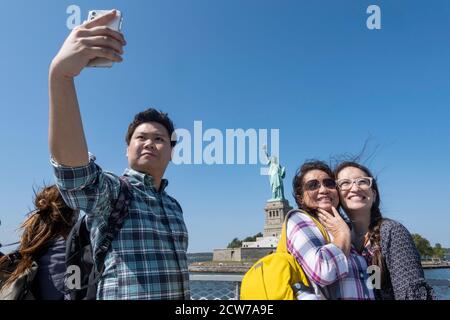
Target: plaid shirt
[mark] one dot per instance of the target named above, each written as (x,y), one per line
(147,259)
(326,265)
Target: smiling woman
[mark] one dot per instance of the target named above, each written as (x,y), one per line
(333,268)
(386,243)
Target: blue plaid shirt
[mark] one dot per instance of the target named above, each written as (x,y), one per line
(147,259)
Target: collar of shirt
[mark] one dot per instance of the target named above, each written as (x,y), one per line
(146,179)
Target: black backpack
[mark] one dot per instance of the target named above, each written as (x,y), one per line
(21,288)
(79,251)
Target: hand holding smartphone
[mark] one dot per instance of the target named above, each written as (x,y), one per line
(116,25)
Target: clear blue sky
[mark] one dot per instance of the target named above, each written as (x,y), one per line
(309,68)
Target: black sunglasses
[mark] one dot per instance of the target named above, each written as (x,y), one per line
(313,185)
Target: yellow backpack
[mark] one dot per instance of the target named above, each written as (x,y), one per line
(277,275)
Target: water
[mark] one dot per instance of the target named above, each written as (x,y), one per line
(442,292)
(217,290)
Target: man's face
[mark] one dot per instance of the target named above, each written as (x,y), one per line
(150,149)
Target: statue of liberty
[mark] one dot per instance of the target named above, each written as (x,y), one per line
(276,176)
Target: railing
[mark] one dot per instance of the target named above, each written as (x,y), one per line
(439,282)
(215,286)
(226,286)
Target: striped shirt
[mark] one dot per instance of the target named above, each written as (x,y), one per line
(147,259)
(326,265)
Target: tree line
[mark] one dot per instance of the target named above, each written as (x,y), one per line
(236,243)
(426,250)
(423,246)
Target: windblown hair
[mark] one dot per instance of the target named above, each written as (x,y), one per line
(51,219)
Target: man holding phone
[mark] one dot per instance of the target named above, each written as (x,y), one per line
(147,259)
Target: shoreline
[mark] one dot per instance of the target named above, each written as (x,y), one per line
(220,267)
(237,267)
(436,265)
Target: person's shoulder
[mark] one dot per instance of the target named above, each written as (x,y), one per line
(112,180)
(298,216)
(391,232)
(174,202)
(389,226)
(110,174)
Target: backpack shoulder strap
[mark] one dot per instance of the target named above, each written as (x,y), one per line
(22,287)
(282,243)
(115,222)
(321,228)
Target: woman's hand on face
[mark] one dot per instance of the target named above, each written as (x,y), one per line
(338,229)
(334,223)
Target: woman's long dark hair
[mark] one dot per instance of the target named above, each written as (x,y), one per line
(51,219)
(376,218)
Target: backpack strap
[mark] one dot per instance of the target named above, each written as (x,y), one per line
(321,228)
(282,243)
(14,257)
(115,222)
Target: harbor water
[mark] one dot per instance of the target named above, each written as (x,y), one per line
(228,290)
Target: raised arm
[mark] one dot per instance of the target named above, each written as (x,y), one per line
(91,40)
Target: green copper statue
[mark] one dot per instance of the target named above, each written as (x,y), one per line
(276,176)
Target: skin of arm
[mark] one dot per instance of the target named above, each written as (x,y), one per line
(91,40)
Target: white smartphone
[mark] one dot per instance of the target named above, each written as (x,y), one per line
(116,25)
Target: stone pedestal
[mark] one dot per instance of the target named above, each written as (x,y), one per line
(275,213)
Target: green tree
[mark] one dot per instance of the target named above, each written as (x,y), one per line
(235,243)
(423,245)
(438,251)
(253,238)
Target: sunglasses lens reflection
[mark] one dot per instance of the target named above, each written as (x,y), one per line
(313,185)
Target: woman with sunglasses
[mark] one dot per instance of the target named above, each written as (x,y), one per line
(385,243)
(335,270)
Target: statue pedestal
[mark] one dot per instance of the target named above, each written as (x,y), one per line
(276,211)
